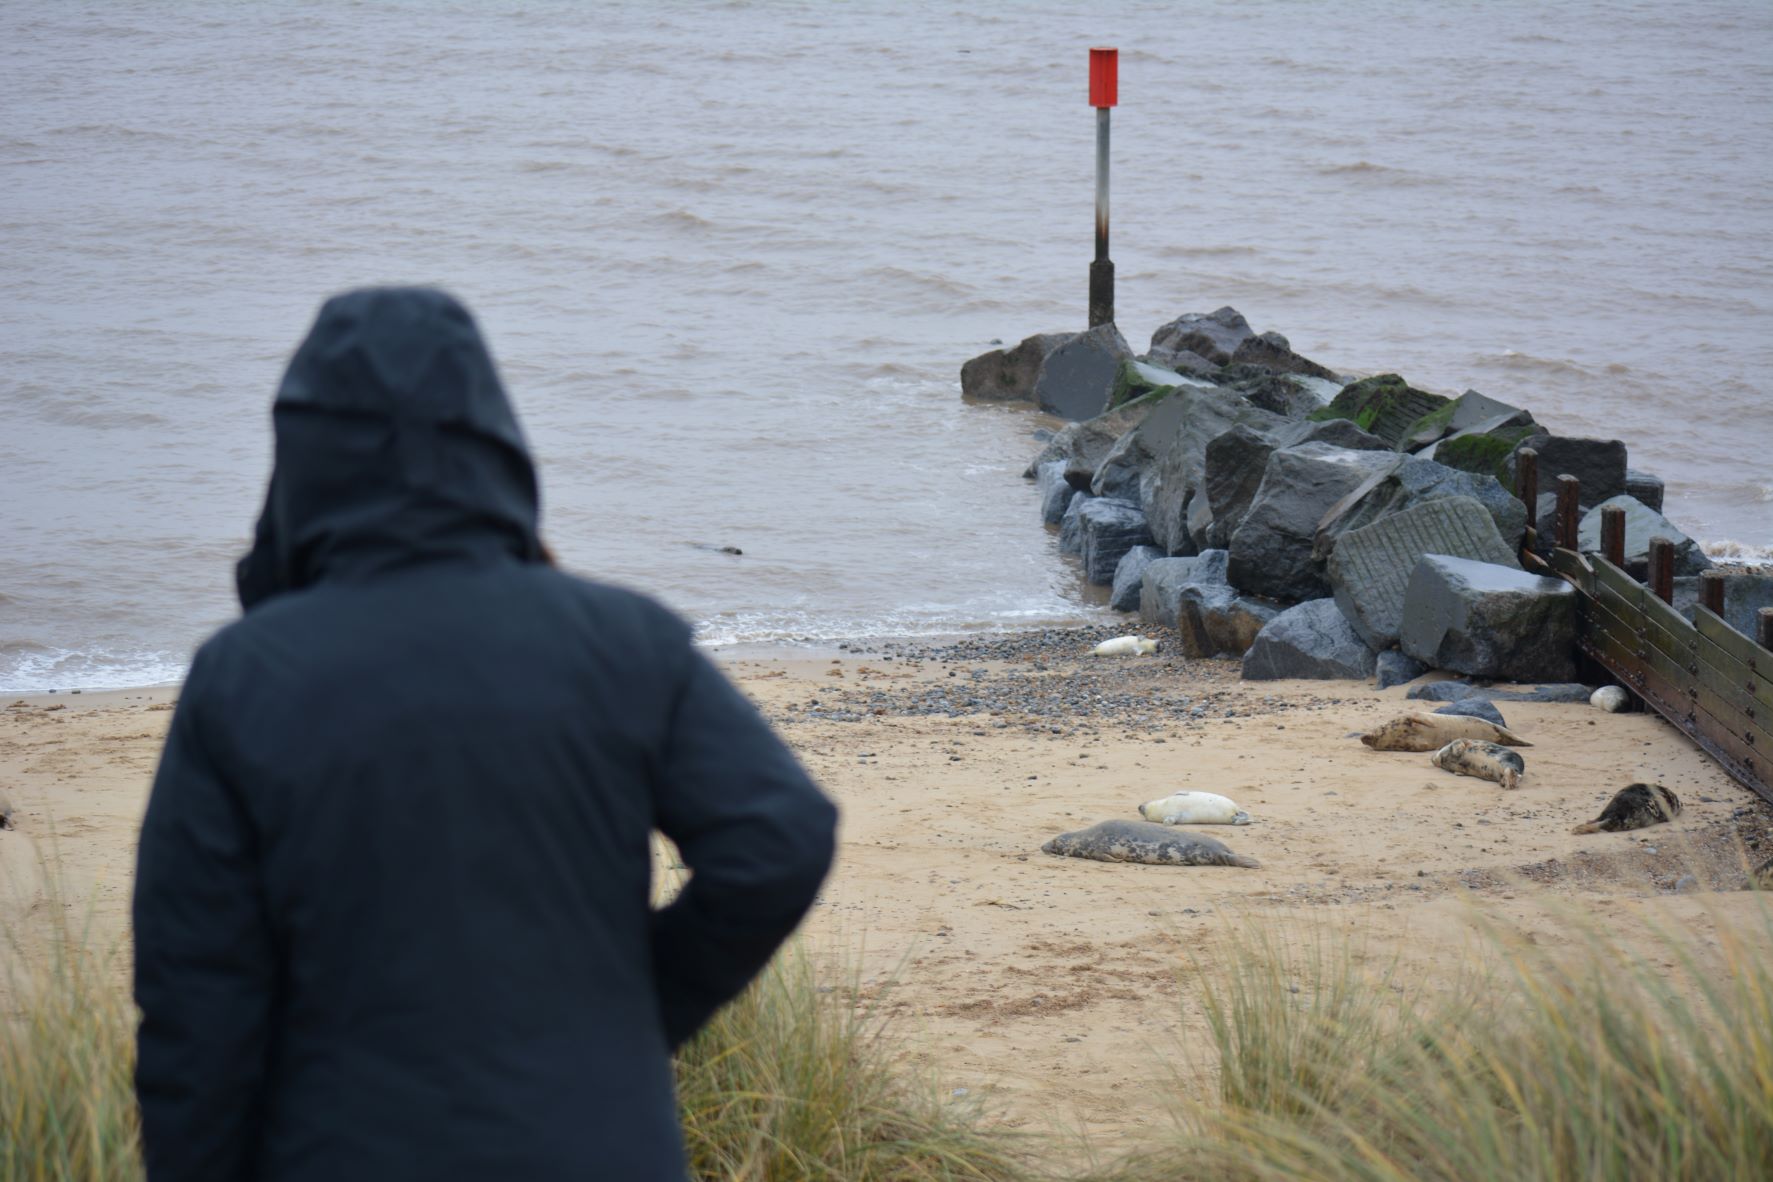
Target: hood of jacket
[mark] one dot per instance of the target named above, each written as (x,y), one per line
(395,447)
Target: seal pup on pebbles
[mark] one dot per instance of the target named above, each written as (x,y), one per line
(1635,806)
(1142,841)
(1486,761)
(1125,646)
(1194,808)
(1431,732)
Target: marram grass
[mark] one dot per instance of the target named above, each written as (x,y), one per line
(1583,1063)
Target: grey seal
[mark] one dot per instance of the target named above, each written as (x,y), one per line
(1146,842)
(1634,807)
(1486,761)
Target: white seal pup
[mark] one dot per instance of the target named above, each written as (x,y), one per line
(1142,841)
(1431,732)
(1486,761)
(1125,646)
(1634,807)
(1610,698)
(1194,808)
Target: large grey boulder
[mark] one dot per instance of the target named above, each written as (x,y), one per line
(1181,456)
(1129,577)
(1007,375)
(1131,463)
(1599,464)
(1055,493)
(1311,640)
(1214,336)
(1417,481)
(1384,405)
(1396,668)
(1371,566)
(1107,529)
(1271,549)
(1641,524)
(1745,594)
(1644,488)
(1271,351)
(1234,462)
(1076,380)
(1071,524)
(1082,447)
(1487,620)
(1215,621)
(1160,595)
(1471,412)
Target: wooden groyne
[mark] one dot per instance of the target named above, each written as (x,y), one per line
(1710,681)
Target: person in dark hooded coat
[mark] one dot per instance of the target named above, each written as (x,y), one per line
(393,902)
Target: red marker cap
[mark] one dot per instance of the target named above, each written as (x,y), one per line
(1104,77)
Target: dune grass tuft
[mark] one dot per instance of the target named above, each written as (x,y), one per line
(1580,1063)
(789,1084)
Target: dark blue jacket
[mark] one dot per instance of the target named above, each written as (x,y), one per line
(392,909)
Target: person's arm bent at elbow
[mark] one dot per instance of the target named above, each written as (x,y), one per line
(757,835)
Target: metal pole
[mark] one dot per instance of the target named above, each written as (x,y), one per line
(1102,270)
(1104,93)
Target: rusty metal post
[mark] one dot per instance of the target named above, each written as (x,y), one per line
(1711,591)
(1764,627)
(1104,94)
(1569,502)
(1662,569)
(1526,483)
(1613,535)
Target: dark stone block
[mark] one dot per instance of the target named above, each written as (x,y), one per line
(1007,375)
(1107,529)
(1489,621)
(1076,380)
(1396,668)
(1312,640)
(1214,336)
(1474,708)
(1129,577)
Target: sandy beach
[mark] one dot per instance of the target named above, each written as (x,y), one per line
(1057,990)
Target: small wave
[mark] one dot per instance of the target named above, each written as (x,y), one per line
(938,284)
(1382,174)
(1204,252)
(1742,553)
(1527,363)
(684,218)
(33,669)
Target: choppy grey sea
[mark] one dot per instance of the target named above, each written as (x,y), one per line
(731,256)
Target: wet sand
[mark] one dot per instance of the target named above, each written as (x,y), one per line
(1058,990)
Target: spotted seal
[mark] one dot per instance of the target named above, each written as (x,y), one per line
(1431,732)
(1125,646)
(1486,761)
(1634,807)
(1142,841)
(1194,808)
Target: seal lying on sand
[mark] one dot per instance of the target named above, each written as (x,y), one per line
(1125,646)
(1431,732)
(1194,808)
(1142,841)
(1634,807)
(1486,761)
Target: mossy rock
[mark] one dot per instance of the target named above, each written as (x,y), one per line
(1384,405)
(1131,385)
(1485,455)
(1436,424)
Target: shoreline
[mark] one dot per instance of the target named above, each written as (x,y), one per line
(1056,990)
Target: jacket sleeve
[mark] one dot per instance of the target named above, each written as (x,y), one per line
(757,836)
(204,966)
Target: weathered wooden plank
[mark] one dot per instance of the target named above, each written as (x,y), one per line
(1688,660)
(1757,659)
(1747,765)
(1670,632)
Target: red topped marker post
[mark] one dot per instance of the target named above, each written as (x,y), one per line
(1104,94)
